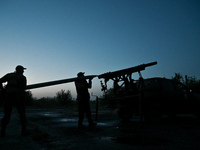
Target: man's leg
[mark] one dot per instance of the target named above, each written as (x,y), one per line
(88,115)
(22,113)
(5,120)
(80,115)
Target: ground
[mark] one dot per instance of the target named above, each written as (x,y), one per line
(57,129)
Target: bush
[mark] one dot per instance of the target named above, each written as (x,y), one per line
(63,98)
(44,102)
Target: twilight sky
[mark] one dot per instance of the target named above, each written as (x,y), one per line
(55,39)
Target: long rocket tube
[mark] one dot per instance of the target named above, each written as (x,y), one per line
(50,83)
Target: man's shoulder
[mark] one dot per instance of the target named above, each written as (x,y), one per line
(10,74)
(7,77)
(15,75)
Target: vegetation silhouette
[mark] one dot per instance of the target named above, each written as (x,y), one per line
(62,98)
(191,82)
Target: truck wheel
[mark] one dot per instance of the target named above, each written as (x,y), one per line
(153,113)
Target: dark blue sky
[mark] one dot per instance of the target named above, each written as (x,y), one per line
(55,39)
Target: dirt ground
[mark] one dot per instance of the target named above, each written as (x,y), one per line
(57,129)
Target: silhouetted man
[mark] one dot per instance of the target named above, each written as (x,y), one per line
(14,96)
(83,98)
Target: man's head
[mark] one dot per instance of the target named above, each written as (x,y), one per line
(80,74)
(19,69)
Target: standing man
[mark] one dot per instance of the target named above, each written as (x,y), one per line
(83,98)
(14,96)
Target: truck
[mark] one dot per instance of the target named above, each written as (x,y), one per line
(150,98)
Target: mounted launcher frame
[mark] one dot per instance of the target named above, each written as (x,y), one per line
(124,76)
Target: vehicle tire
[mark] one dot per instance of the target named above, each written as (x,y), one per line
(153,113)
(124,114)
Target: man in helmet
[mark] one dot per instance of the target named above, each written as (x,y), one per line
(14,96)
(83,98)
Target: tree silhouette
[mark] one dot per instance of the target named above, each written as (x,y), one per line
(191,82)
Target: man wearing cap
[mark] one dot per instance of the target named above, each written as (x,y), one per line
(14,96)
(83,98)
